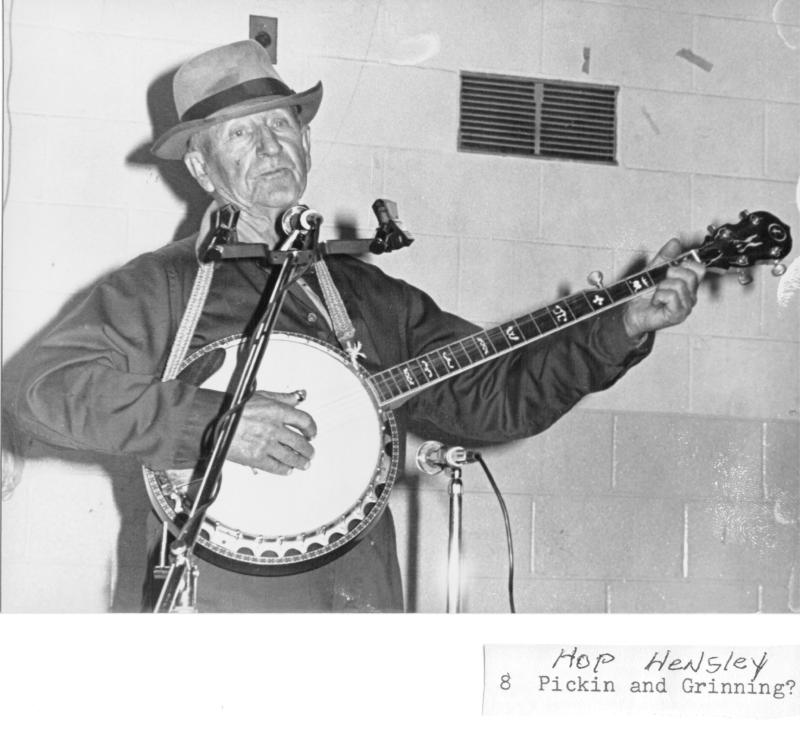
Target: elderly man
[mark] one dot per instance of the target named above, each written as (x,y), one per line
(96,381)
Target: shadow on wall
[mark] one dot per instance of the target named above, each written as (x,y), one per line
(124,474)
(173,173)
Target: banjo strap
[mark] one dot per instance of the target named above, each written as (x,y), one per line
(340,320)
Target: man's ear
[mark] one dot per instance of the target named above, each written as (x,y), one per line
(196,164)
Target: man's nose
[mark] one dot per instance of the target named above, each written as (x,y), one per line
(268,143)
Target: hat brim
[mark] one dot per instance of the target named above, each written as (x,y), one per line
(172,144)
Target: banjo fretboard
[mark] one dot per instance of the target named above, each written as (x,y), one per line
(409,378)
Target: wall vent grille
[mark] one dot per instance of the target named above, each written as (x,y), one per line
(540,118)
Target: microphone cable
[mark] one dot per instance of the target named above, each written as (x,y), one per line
(506,520)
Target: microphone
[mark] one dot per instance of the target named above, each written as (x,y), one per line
(433,456)
(300,217)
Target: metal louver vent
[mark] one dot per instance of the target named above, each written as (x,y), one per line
(539,118)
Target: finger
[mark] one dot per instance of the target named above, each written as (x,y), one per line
(691,277)
(270,464)
(674,298)
(289,456)
(293,398)
(297,444)
(301,421)
(668,252)
(279,408)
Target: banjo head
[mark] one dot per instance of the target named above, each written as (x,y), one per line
(267,524)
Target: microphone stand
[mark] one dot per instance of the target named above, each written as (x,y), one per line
(432,457)
(455,493)
(179,588)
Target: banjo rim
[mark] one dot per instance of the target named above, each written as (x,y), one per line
(290,553)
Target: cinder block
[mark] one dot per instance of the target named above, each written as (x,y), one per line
(762,380)
(613,206)
(142,66)
(32,309)
(755,9)
(28,157)
(484,195)
(431,264)
(485,550)
(537,595)
(780,307)
(420,517)
(342,185)
(783,153)
(73,518)
(44,88)
(608,538)
(90,158)
(726,308)
(739,541)
(15,540)
(486,272)
(56,588)
(85,248)
(691,133)
(672,456)
(577,455)
(648,60)
(718,200)
(782,470)
(83,15)
(750,61)
(516,468)
(546,272)
(170,20)
(694,596)
(657,383)
(149,230)
(404,96)
(447,34)
(781,456)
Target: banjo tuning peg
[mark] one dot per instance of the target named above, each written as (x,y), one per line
(595,279)
(778,269)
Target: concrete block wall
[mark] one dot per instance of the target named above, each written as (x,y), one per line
(676,490)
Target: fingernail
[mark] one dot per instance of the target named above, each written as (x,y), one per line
(300,395)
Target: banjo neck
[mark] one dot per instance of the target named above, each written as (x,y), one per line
(757,237)
(406,379)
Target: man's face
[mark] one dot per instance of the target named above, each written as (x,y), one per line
(259,162)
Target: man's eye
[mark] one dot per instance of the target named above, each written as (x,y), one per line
(236,133)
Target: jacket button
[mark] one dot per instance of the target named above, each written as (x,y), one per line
(311,317)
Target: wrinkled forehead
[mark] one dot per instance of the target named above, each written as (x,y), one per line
(207,137)
(264,116)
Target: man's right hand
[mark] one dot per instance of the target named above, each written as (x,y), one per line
(273,434)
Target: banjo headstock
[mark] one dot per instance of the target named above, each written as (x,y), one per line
(757,237)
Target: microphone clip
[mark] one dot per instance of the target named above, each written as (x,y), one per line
(433,457)
(390,234)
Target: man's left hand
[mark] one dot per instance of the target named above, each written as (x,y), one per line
(673,299)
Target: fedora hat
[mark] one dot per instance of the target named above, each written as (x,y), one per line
(228,82)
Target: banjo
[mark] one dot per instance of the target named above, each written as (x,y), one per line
(268,524)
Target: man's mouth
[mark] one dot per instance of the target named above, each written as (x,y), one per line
(273,173)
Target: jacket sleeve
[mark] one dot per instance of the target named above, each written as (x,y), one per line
(94,380)
(522,392)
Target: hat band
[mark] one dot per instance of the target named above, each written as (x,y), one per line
(261,87)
